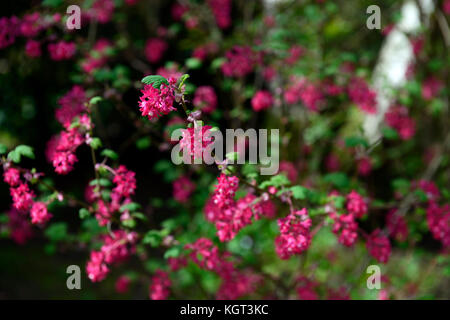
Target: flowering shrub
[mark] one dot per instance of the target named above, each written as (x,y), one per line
(86,135)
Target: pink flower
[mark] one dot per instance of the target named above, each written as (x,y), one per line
(125,182)
(61,50)
(30,24)
(154,49)
(33,48)
(379,246)
(156,102)
(96,267)
(177,11)
(295,53)
(360,93)
(22,197)
(39,213)
(438,219)
(97,57)
(71,104)
(398,119)
(12,177)
(205,99)
(431,87)
(306,289)
(446,6)
(195,140)
(160,285)
(240,61)
(64,157)
(119,246)
(430,189)
(20,229)
(262,100)
(396,225)
(332,163)
(364,166)
(225,190)
(289,169)
(102,214)
(306,92)
(294,235)
(182,189)
(122,284)
(102,11)
(347,228)
(356,204)
(9,30)
(222,12)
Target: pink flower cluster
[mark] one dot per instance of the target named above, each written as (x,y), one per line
(431,87)
(125,186)
(360,93)
(438,219)
(295,234)
(97,57)
(9,30)
(154,49)
(346,227)
(240,62)
(205,99)
(262,100)
(61,50)
(20,229)
(235,284)
(23,197)
(33,48)
(356,205)
(379,246)
(306,92)
(159,287)
(116,248)
(101,11)
(195,140)
(71,105)
(229,220)
(306,289)
(157,102)
(398,119)
(222,12)
(225,190)
(182,189)
(396,225)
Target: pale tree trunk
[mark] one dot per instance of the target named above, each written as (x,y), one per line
(395,57)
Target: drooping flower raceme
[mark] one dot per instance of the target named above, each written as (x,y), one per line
(157,102)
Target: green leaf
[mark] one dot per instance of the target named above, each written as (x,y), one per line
(193,63)
(110,154)
(389,133)
(183,79)
(155,80)
(143,143)
(84,213)
(102,181)
(52,3)
(3,149)
(299,192)
(21,150)
(95,100)
(14,156)
(132,206)
(96,143)
(355,141)
(129,223)
(56,231)
(153,238)
(173,252)
(339,179)
(275,181)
